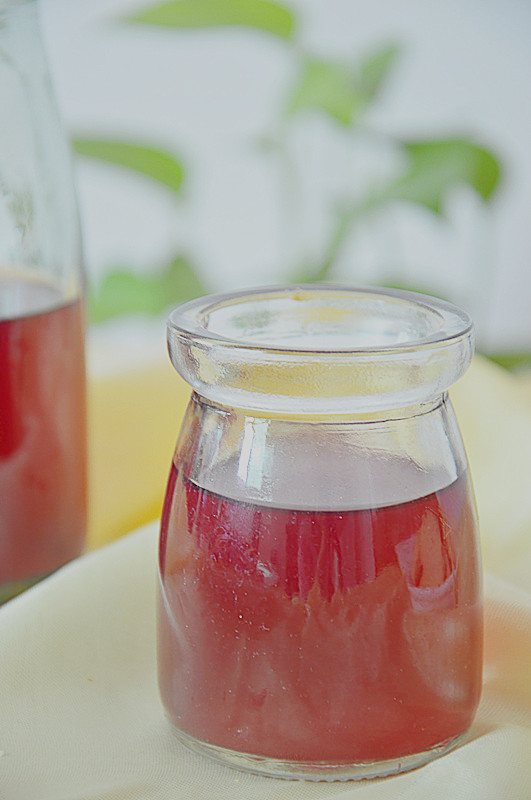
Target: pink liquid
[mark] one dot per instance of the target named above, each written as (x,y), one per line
(42,433)
(320,635)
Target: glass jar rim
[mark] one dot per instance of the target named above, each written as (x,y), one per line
(313,347)
(194,317)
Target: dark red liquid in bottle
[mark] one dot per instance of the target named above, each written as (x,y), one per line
(42,434)
(340,636)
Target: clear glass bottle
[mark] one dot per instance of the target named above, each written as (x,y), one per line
(320,609)
(42,373)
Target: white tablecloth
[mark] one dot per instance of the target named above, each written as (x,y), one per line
(80,716)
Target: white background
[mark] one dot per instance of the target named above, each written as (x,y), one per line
(208,96)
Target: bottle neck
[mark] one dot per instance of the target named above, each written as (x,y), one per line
(24,72)
(20,38)
(37,201)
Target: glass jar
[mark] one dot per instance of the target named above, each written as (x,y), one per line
(320,609)
(42,385)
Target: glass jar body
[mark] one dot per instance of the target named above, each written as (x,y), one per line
(42,393)
(320,606)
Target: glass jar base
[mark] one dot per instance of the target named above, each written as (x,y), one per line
(313,770)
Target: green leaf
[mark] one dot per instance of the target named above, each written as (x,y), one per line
(155,164)
(330,87)
(512,361)
(123,292)
(263,15)
(436,166)
(340,89)
(375,69)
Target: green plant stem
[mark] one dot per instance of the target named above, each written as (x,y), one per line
(345,222)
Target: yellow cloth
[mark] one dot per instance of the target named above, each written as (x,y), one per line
(134,418)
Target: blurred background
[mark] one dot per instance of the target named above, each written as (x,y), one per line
(222,144)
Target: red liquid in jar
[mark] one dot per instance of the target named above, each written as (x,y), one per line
(42,432)
(319,635)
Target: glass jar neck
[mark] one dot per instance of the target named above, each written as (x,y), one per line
(238,452)
(362,417)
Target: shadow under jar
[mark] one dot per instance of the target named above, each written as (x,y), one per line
(320,609)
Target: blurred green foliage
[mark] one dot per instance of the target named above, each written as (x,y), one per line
(435,166)
(155,164)
(259,14)
(513,361)
(432,169)
(344,91)
(123,292)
